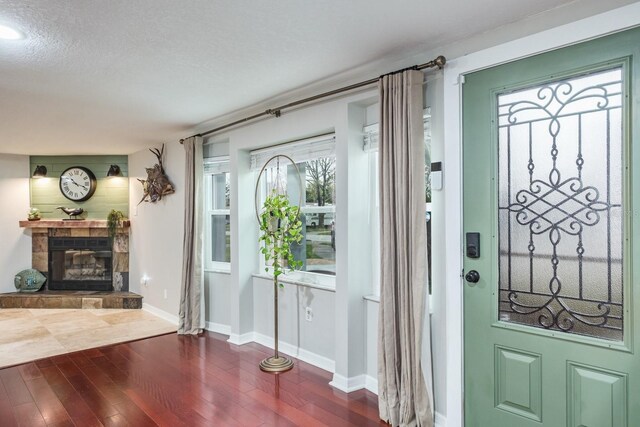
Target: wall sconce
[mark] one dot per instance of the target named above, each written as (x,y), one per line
(114,170)
(40,172)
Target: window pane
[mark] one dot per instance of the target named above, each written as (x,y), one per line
(560,205)
(319,215)
(320,242)
(220,191)
(320,177)
(220,238)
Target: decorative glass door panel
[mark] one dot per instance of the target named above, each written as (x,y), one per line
(560,205)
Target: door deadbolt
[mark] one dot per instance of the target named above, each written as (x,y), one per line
(473,245)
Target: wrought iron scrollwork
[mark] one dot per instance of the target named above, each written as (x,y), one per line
(561,204)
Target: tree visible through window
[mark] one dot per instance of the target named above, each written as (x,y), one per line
(320,175)
(319,215)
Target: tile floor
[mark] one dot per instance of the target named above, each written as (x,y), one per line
(31,334)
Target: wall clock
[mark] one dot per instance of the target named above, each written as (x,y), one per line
(78,183)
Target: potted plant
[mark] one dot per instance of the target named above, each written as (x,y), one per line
(280,227)
(34,214)
(114,220)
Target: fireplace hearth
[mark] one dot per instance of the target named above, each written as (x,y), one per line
(80,263)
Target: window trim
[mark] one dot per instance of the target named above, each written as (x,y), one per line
(209,265)
(300,150)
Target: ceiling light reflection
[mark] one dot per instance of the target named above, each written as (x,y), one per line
(8,33)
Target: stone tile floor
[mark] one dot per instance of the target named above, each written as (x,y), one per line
(31,334)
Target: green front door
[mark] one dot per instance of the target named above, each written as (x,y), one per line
(552,186)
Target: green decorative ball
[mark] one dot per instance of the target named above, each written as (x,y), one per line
(29,280)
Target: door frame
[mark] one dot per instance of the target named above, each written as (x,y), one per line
(595,26)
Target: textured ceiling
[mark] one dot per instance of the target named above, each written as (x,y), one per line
(116,76)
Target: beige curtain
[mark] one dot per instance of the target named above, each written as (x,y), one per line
(191,318)
(403,396)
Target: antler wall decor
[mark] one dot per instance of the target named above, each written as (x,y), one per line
(157,183)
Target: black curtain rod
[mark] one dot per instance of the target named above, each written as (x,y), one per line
(438,62)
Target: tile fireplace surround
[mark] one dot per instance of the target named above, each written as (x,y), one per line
(43,229)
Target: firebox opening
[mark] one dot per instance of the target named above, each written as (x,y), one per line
(80,263)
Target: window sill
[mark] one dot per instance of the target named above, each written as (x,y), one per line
(302,282)
(217,270)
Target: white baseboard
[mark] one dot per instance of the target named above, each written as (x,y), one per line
(218,328)
(241,339)
(171,318)
(348,384)
(371,384)
(297,352)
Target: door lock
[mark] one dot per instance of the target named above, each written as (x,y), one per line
(473,245)
(472,277)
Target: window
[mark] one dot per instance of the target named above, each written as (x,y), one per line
(217,202)
(320,214)
(315,159)
(371,135)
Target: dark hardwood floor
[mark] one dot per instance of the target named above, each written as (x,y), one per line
(175,380)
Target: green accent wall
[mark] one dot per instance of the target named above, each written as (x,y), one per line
(111,193)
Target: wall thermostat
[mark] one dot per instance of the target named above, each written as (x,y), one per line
(436,176)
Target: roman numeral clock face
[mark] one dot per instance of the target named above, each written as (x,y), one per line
(77,183)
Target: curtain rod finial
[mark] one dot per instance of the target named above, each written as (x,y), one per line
(440,61)
(181,141)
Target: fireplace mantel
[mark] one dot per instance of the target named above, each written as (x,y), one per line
(81,223)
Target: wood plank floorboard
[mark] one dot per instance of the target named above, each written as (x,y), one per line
(175,381)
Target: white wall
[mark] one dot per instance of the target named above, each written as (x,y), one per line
(15,249)
(157,232)
(353,244)
(244,246)
(312,341)
(217,294)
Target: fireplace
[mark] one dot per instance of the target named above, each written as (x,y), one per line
(90,236)
(80,263)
